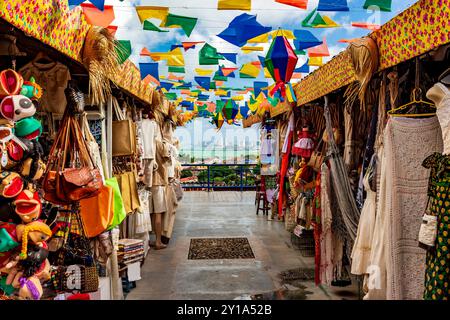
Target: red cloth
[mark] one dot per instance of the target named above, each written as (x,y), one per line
(79,296)
(283,171)
(317,230)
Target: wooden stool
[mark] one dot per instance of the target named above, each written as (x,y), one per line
(258,190)
(261,195)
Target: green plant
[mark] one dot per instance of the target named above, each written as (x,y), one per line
(218,179)
(186,173)
(203,176)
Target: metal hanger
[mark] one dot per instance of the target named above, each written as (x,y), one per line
(416,107)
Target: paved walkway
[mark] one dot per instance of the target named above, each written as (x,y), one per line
(168,274)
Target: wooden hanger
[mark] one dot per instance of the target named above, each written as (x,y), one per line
(42,57)
(416,107)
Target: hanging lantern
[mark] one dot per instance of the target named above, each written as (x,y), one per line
(280,62)
(230,111)
(217,119)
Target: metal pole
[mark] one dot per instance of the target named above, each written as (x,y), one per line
(209,178)
(241,173)
(116,285)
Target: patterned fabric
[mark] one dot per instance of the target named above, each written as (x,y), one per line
(437,275)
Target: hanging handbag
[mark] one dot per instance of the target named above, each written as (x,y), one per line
(97,212)
(71,174)
(119,210)
(77,270)
(317,157)
(123,134)
(428,228)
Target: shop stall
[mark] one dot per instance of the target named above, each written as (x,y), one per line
(362,164)
(79,196)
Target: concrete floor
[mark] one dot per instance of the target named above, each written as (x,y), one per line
(168,274)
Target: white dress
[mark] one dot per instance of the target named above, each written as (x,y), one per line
(363,241)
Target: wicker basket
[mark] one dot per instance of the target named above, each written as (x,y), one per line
(305,243)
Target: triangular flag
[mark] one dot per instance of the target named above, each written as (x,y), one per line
(208,55)
(112,30)
(248,49)
(333,5)
(302,4)
(383,5)
(166,85)
(147,12)
(149,69)
(365,25)
(315,61)
(329,23)
(98,17)
(186,23)
(288,34)
(245,5)
(204,82)
(177,69)
(229,56)
(319,51)
(123,50)
(228,71)
(149,26)
(99,4)
(150,79)
(190,45)
(305,39)
(303,69)
(203,72)
(249,70)
(264,38)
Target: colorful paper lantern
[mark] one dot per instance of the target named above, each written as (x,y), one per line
(280,62)
(230,111)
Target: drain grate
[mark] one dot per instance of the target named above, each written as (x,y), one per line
(297,274)
(220,248)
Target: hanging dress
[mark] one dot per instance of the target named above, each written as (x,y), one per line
(363,242)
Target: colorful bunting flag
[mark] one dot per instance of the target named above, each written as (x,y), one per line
(149,68)
(171,96)
(208,55)
(243,28)
(245,5)
(166,85)
(364,25)
(150,79)
(227,71)
(147,12)
(315,61)
(174,58)
(112,30)
(99,4)
(305,39)
(249,49)
(383,5)
(123,50)
(186,23)
(177,69)
(260,86)
(319,51)
(302,4)
(203,72)
(204,82)
(333,5)
(329,23)
(190,45)
(318,21)
(249,70)
(149,26)
(229,56)
(304,68)
(96,16)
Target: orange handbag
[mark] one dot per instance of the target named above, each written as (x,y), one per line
(97,212)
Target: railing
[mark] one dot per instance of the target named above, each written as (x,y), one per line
(219,176)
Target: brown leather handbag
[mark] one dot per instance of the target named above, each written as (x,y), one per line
(317,157)
(71,174)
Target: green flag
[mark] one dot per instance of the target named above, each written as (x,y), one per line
(151,27)
(219,105)
(186,23)
(177,69)
(208,55)
(384,5)
(171,96)
(123,50)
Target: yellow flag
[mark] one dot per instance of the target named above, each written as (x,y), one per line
(315,61)
(245,5)
(147,12)
(264,38)
(174,58)
(288,34)
(329,23)
(238,98)
(221,92)
(250,70)
(203,72)
(248,49)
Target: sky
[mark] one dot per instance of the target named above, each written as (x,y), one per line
(211,22)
